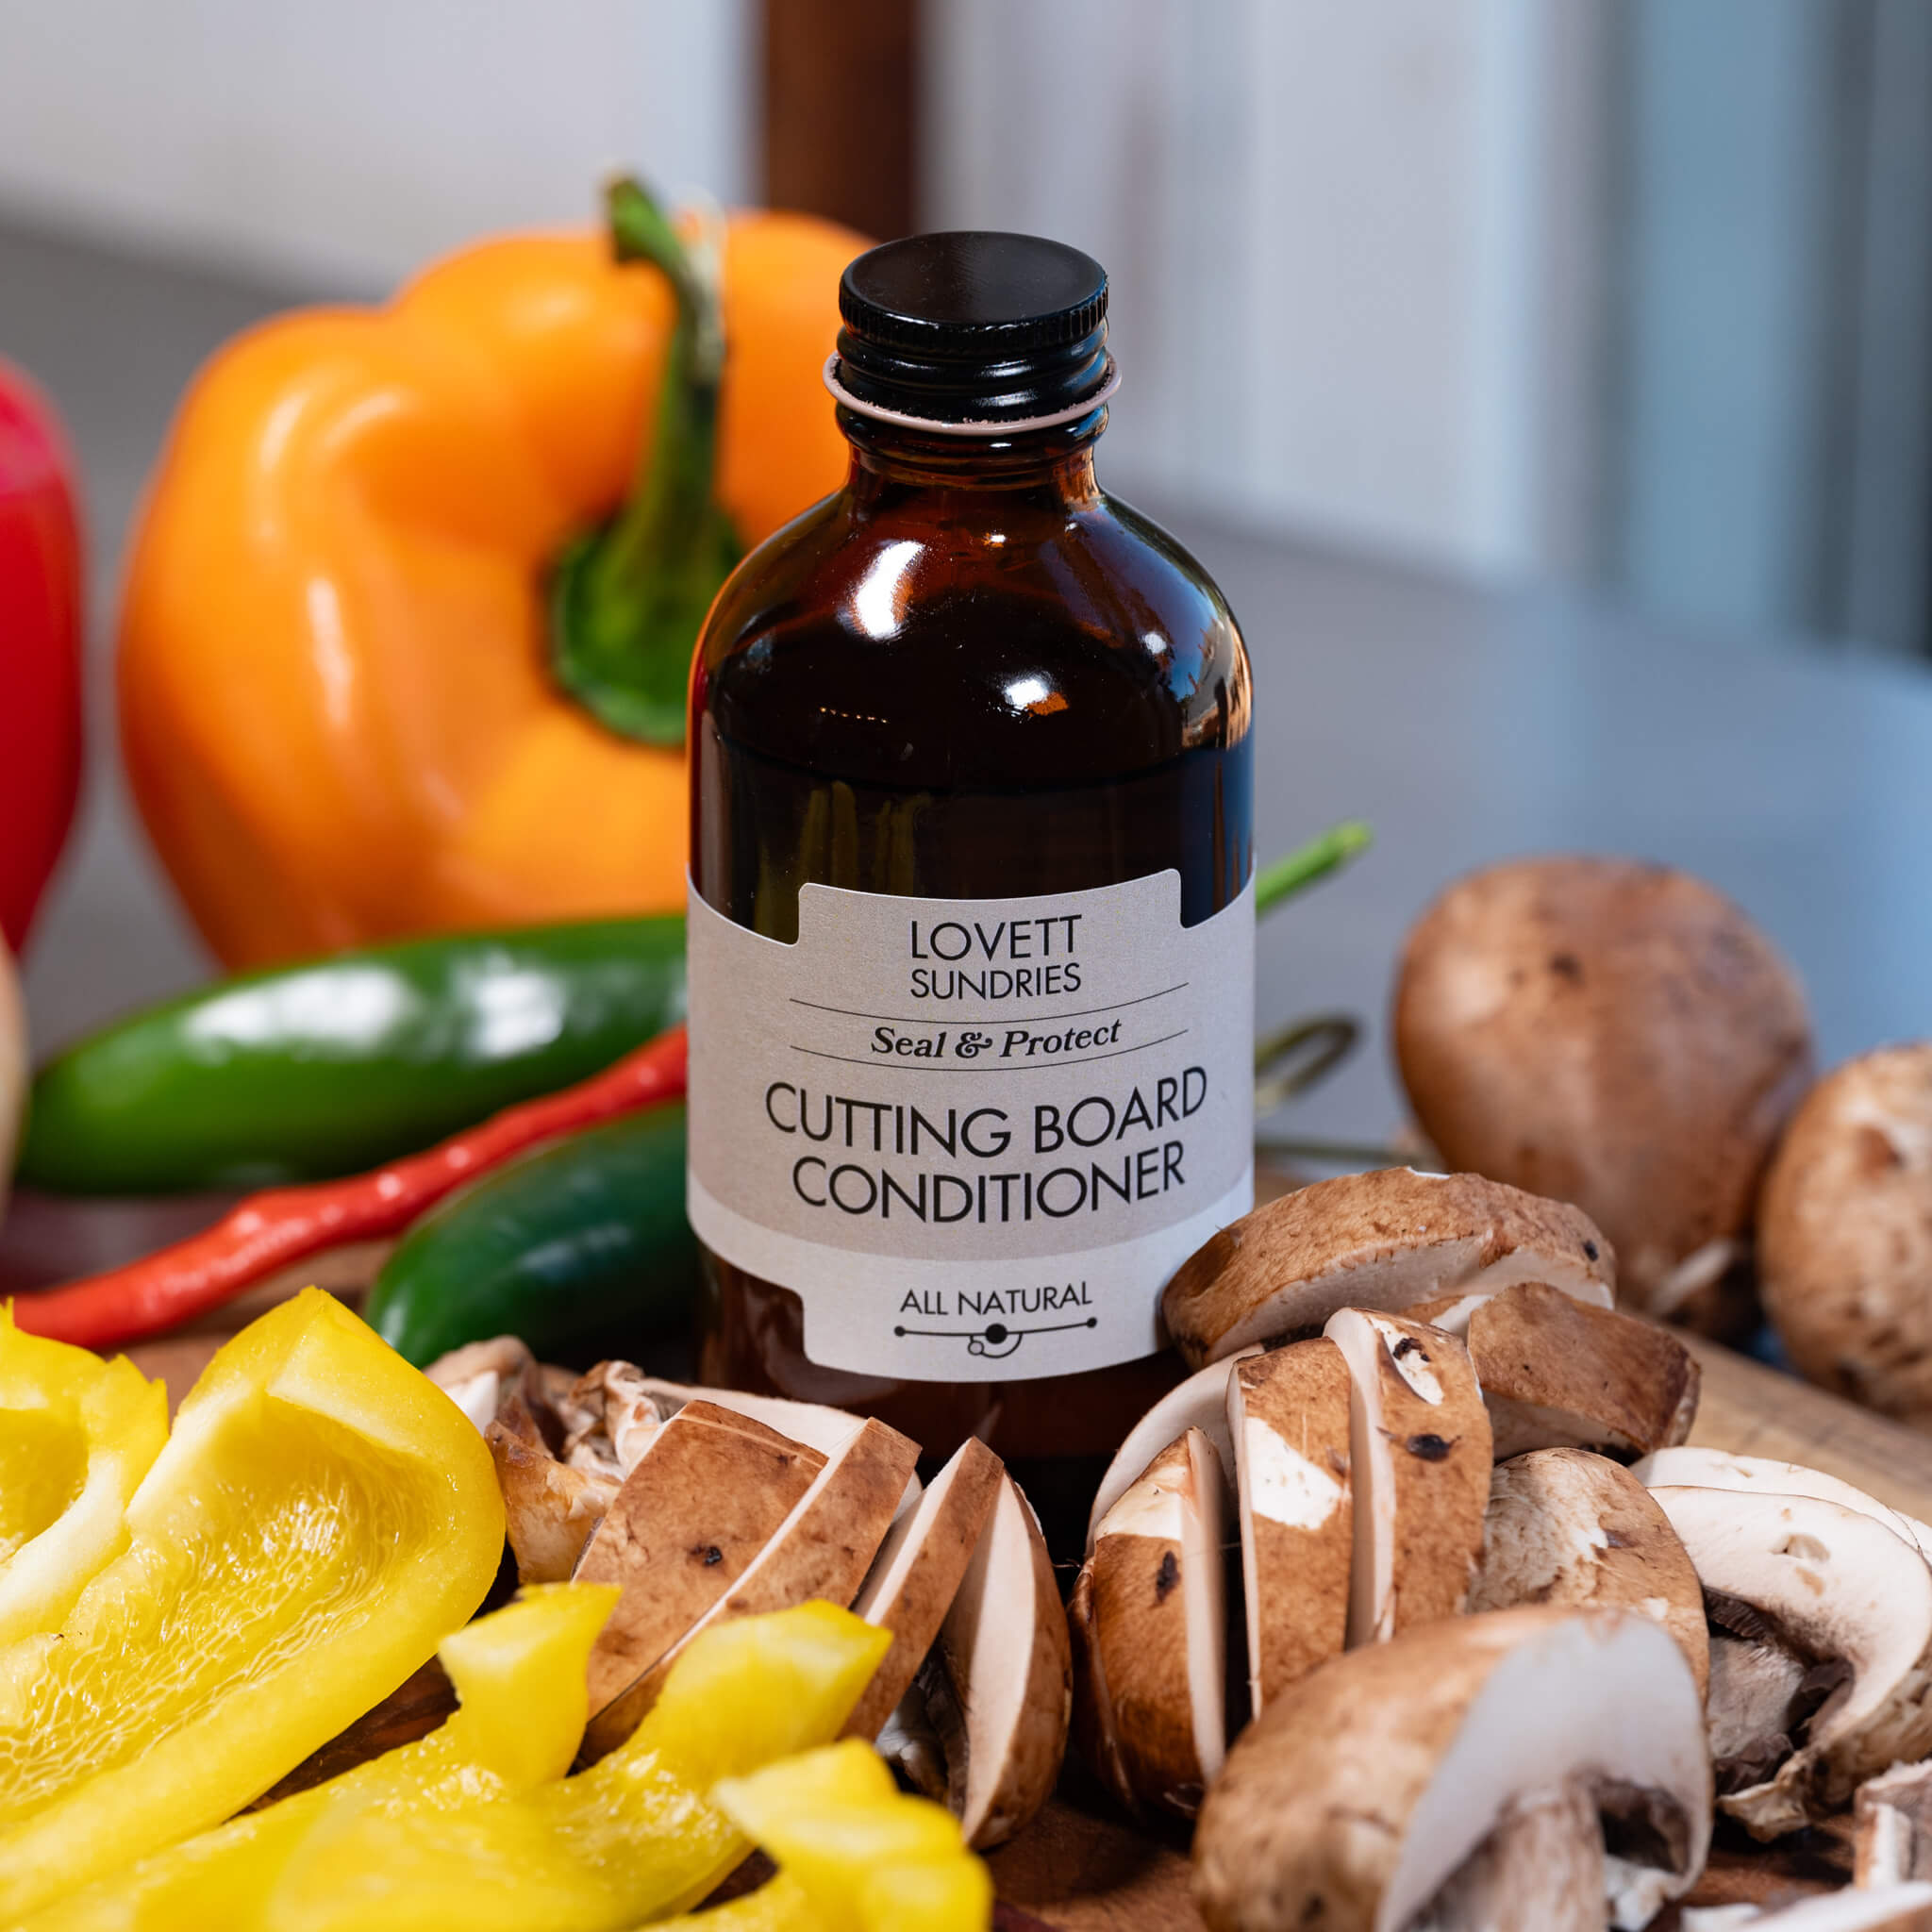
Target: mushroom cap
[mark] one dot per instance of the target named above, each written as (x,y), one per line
(1839,1584)
(1200,1402)
(1885,1908)
(1692,1466)
(1556,1373)
(1364,1786)
(1614,1034)
(1288,1415)
(917,1574)
(1385,1239)
(1006,1684)
(708,1493)
(1153,1597)
(1568,1528)
(1845,1233)
(1418,1465)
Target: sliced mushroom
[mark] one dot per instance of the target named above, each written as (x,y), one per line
(998,1686)
(1418,1461)
(708,1493)
(1431,1779)
(823,1549)
(918,1572)
(1891,1827)
(1617,1035)
(1152,1599)
(1761,1694)
(550,1510)
(615,1420)
(1288,1414)
(1840,1593)
(1568,1528)
(1557,1374)
(810,1422)
(1540,1869)
(1198,1403)
(1844,1232)
(1889,1908)
(1382,1241)
(1692,1466)
(475,1376)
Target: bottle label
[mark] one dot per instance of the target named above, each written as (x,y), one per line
(974,1136)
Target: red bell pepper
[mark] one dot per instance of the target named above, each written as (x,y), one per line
(40,648)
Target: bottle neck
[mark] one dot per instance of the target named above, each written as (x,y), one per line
(1056,465)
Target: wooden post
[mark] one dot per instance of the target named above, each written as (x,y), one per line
(840,114)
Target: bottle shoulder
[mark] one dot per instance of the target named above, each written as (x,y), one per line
(989,643)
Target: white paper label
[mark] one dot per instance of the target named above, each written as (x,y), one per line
(974,1136)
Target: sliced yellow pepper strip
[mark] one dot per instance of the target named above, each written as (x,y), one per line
(779,1905)
(520,1679)
(863,1856)
(321,1518)
(630,1838)
(76,1435)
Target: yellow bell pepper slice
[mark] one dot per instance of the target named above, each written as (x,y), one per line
(631,1837)
(862,1854)
(321,1518)
(76,1435)
(523,1698)
(778,1905)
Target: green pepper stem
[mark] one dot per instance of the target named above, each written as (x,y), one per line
(1327,852)
(628,598)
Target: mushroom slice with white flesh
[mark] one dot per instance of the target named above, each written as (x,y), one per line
(1824,1632)
(1382,1241)
(1466,1778)
(917,1575)
(1154,1594)
(1288,1413)
(1557,1374)
(1418,1461)
(1198,1403)
(997,1689)
(814,1423)
(1571,1528)
(823,1549)
(1692,1466)
(708,1493)
(1886,1909)
(478,1375)
(1891,1827)
(550,1510)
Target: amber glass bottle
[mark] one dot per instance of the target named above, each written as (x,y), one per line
(972,929)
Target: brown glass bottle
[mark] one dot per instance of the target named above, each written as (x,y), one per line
(968,676)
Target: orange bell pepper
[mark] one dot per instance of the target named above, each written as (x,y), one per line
(344,709)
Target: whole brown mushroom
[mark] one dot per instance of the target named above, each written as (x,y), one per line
(1845,1233)
(1616,1035)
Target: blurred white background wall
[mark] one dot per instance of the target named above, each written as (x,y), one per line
(344,142)
(1353,247)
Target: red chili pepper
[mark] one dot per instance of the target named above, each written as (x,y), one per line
(277,1228)
(40,649)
